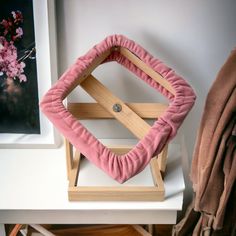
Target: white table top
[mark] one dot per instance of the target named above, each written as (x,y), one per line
(34,183)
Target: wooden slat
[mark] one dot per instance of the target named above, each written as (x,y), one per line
(127,117)
(125,193)
(162,159)
(156,174)
(120,149)
(150,229)
(141,230)
(75,170)
(147,69)
(69,157)
(89,70)
(101,230)
(95,111)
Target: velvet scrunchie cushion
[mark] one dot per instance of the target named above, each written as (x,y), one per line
(119,167)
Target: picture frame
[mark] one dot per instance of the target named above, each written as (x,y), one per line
(45,41)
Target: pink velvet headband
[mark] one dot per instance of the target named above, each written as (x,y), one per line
(120,167)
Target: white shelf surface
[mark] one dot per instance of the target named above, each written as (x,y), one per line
(34,190)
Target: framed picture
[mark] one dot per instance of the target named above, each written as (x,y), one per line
(28,67)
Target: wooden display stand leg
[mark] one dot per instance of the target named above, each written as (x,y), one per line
(162,159)
(69,157)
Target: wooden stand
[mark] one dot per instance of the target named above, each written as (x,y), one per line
(138,126)
(131,116)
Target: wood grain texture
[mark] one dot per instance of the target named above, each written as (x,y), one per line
(102,230)
(120,149)
(124,193)
(141,230)
(84,111)
(156,174)
(106,99)
(75,169)
(97,61)
(69,157)
(147,69)
(162,159)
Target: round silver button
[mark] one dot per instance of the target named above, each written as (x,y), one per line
(117,107)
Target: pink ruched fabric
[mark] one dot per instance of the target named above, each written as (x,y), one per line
(119,167)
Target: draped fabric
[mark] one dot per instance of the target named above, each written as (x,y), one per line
(213,172)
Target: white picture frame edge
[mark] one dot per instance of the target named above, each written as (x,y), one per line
(46,51)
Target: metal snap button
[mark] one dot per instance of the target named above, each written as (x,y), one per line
(117,107)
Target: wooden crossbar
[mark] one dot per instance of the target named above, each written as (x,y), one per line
(106,99)
(139,193)
(130,116)
(83,111)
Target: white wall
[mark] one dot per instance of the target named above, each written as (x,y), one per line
(192,37)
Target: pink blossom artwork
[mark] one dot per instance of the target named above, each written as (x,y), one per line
(19,109)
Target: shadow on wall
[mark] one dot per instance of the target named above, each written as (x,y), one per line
(176,60)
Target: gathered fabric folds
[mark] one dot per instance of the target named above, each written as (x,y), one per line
(119,167)
(213,172)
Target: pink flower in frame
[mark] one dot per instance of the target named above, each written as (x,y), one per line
(8,61)
(17,15)
(10,31)
(19,33)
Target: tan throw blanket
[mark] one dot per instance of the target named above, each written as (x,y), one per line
(213,172)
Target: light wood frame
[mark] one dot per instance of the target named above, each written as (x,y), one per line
(131,116)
